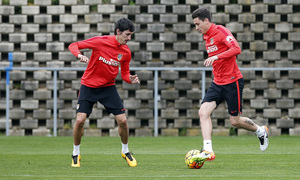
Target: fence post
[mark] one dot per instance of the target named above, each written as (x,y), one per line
(55,103)
(156,99)
(10,59)
(203,85)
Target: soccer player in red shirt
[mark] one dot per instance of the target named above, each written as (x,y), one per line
(228,83)
(98,82)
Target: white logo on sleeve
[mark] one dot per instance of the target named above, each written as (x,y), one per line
(229,38)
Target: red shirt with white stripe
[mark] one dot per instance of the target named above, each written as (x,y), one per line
(219,41)
(103,67)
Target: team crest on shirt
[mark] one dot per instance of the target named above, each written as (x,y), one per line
(120,56)
(211,41)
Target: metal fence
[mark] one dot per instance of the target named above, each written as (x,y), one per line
(154,69)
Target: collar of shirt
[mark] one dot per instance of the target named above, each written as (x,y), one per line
(210,30)
(116,42)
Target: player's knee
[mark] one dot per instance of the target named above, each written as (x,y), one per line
(122,123)
(235,122)
(202,114)
(80,120)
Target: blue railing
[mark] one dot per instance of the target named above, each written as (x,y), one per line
(156,95)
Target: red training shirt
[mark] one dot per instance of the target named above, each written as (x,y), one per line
(219,41)
(103,66)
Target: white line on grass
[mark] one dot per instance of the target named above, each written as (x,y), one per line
(155,176)
(142,153)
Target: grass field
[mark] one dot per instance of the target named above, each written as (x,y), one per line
(158,158)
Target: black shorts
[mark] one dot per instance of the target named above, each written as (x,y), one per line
(107,96)
(232,93)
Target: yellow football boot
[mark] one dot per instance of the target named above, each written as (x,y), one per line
(76,161)
(130,159)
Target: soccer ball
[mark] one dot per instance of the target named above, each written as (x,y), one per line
(189,162)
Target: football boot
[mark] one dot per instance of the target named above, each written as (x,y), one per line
(76,161)
(204,156)
(130,159)
(264,139)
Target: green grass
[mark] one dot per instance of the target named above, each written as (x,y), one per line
(158,158)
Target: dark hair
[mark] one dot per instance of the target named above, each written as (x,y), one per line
(124,24)
(202,13)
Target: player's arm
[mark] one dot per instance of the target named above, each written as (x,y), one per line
(86,44)
(125,73)
(233,46)
(233,49)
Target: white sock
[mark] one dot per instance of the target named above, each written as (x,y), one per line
(76,150)
(207,145)
(125,148)
(260,131)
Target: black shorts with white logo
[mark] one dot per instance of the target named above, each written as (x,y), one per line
(107,96)
(232,93)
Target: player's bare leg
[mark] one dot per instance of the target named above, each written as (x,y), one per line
(123,127)
(243,122)
(77,134)
(248,124)
(124,133)
(205,112)
(78,128)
